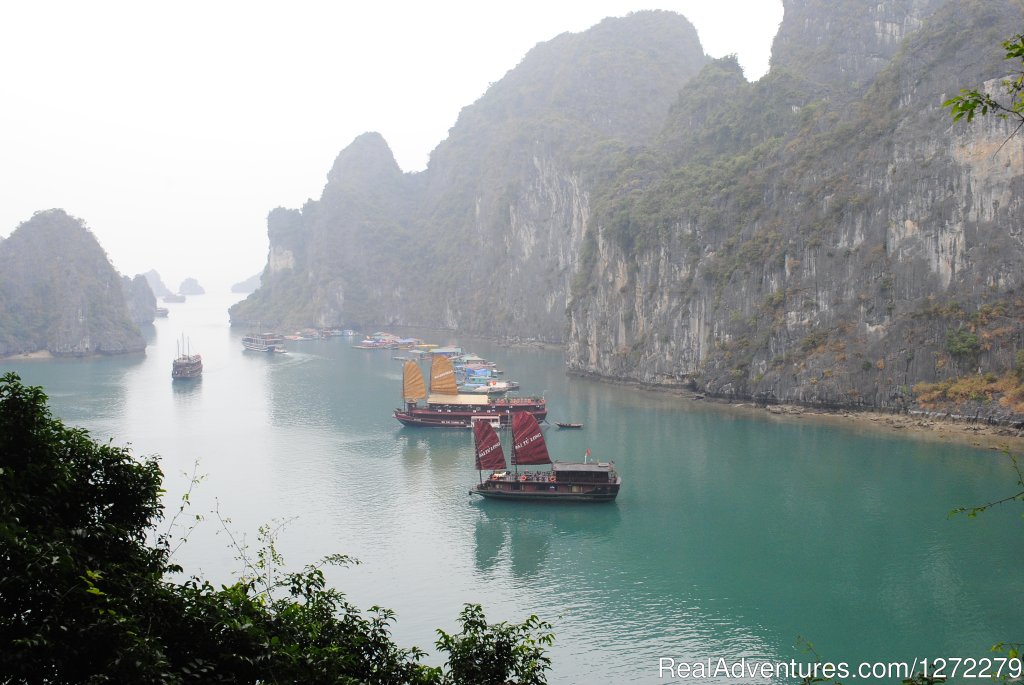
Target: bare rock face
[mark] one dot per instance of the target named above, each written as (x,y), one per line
(59,292)
(862,242)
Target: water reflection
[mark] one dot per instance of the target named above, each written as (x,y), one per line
(186,387)
(522,533)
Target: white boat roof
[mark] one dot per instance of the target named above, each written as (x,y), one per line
(457,399)
(579,466)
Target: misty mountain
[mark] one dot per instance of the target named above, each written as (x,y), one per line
(825,235)
(156,284)
(59,292)
(190,286)
(248,285)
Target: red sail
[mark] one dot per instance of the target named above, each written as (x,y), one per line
(489,454)
(528,446)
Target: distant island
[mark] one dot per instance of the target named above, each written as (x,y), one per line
(190,286)
(60,295)
(156,284)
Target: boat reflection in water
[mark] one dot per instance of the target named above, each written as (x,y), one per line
(522,537)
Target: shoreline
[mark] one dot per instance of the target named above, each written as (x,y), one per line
(915,424)
(38,354)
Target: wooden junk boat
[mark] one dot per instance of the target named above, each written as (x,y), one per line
(565,482)
(186,364)
(445,407)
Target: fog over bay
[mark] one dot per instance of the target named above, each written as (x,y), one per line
(173,129)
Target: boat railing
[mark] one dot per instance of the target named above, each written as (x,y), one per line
(520,400)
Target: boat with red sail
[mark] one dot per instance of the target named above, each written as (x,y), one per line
(584,481)
(446,407)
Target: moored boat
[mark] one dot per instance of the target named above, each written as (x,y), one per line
(565,481)
(446,407)
(263,342)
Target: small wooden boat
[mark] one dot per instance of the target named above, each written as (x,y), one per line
(186,364)
(564,424)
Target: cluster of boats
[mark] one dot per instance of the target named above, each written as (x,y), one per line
(258,341)
(444,406)
(464,392)
(389,341)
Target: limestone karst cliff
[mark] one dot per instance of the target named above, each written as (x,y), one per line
(59,293)
(139,298)
(485,239)
(825,235)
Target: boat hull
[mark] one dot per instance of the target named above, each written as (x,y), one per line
(601,493)
(187,367)
(463,418)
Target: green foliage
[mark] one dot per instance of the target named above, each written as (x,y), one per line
(498,653)
(77,580)
(84,598)
(975,101)
(963,344)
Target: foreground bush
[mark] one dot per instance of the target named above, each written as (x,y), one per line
(85,599)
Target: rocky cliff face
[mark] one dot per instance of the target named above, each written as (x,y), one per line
(871,248)
(826,235)
(483,240)
(140,300)
(59,293)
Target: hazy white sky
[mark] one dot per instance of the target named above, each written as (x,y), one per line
(172,129)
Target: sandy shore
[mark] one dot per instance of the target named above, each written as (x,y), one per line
(38,354)
(926,428)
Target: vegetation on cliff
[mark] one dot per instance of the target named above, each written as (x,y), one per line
(59,292)
(811,238)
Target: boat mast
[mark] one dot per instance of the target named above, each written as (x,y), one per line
(515,461)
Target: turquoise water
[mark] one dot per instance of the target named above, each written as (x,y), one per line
(733,535)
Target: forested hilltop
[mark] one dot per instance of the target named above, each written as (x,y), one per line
(825,235)
(60,294)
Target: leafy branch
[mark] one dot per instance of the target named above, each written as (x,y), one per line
(977,101)
(977,509)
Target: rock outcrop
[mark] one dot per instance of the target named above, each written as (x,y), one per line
(190,286)
(140,299)
(59,292)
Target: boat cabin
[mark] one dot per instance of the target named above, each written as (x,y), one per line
(600,472)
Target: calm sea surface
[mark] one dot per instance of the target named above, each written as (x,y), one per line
(733,536)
